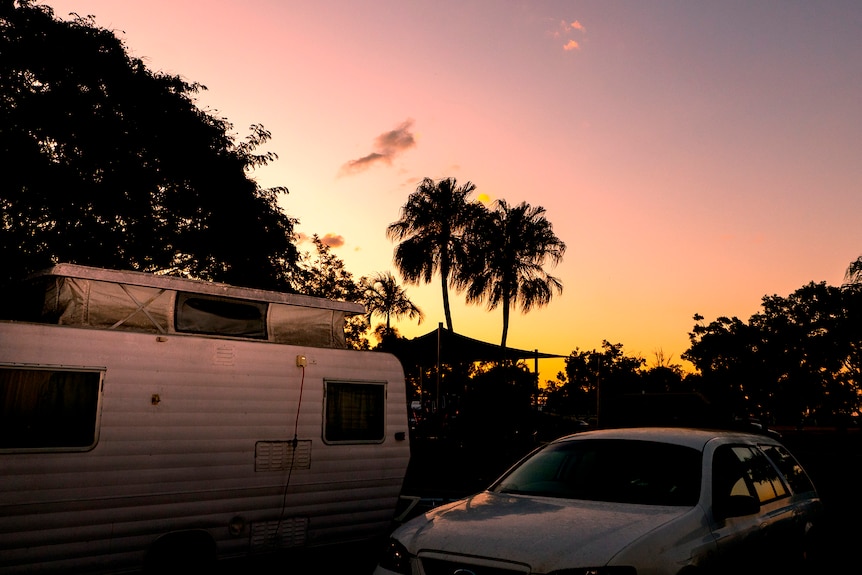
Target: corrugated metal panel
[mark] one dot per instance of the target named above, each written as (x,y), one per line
(187,460)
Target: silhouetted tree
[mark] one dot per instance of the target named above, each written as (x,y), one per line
(323,274)
(496,406)
(508,248)
(431,234)
(803,345)
(592,377)
(798,358)
(724,352)
(575,397)
(107,163)
(663,376)
(853,275)
(850,331)
(382,295)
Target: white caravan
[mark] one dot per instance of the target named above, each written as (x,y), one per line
(147,420)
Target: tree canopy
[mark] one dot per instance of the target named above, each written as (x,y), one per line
(107,163)
(797,360)
(323,274)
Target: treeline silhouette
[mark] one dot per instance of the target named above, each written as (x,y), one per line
(795,363)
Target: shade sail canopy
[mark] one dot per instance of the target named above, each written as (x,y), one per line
(449,347)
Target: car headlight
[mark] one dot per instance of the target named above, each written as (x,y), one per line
(396,558)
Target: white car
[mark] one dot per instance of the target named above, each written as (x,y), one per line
(637,501)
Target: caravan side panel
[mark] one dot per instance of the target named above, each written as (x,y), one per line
(199,433)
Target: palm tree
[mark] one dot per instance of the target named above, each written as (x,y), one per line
(853,275)
(431,230)
(383,296)
(508,248)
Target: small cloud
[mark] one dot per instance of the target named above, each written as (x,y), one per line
(566,28)
(332,240)
(397,140)
(387,145)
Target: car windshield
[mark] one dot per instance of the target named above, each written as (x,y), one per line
(623,471)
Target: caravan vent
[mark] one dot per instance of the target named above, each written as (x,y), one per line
(224,355)
(282,455)
(269,535)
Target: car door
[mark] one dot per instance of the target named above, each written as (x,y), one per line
(735,528)
(779,547)
(804,500)
(752,513)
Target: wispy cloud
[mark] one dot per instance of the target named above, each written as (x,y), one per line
(387,146)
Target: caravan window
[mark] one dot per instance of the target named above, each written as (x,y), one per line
(49,409)
(354,412)
(220,316)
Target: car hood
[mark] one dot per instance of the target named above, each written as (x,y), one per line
(545,533)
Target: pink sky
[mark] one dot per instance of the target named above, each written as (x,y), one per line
(693,156)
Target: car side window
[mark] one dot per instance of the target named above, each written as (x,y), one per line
(789,467)
(761,474)
(728,475)
(743,470)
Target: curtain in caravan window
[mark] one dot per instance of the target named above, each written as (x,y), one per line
(48,409)
(354,412)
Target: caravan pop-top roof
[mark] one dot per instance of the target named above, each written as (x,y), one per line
(138,301)
(144,279)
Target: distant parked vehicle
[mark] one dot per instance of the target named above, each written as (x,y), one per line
(638,501)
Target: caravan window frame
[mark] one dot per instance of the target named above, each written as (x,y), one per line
(221,316)
(342,424)
(50,420)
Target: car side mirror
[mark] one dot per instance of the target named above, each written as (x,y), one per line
(740,506)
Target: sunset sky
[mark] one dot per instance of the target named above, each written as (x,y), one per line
(694,156)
